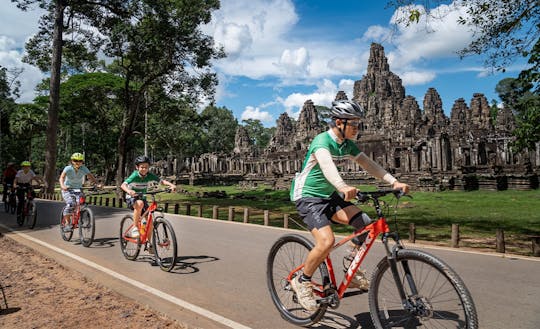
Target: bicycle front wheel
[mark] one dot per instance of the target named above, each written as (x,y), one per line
(31,216)
(288,253)
(65,232)
(130,246)
(87,227)
(441,300)
(164,242)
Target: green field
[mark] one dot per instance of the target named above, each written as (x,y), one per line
(478,213)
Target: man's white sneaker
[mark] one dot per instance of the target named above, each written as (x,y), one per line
(134,233)
(304,293)
(359,281)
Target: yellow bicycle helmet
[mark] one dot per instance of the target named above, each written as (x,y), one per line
(77,157)
(26,164)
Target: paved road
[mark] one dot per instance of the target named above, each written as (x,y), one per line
(220,279)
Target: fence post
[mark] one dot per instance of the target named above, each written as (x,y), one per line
(166,209)
(114,202)
(412,233)
(176,207)
(285,220)
(106,201)
(246,215)
(100,200)
(215,212)
(199,210)
(455,235)
(120,203)
(536,245)
(188,209)
(231,214)
(266,217)
(500,245)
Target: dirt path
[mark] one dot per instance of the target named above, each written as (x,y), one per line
(41,293)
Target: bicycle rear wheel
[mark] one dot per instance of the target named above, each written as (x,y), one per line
(287,253)
(66,234)
(130,246)
(12,202)
(87,227)
(442,300)
(164,242)
(31,216)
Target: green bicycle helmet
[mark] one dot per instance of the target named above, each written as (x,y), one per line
(26,164)
(77,157)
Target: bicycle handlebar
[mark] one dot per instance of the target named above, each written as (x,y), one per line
(167,190)
(365,196)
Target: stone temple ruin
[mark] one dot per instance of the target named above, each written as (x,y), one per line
(423,147)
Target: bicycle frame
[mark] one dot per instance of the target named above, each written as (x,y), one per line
(149,215)
(373,230)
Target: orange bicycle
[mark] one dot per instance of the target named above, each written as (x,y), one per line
(163,244)
(409,288)
(81,218)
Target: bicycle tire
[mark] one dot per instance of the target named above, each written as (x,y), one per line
(287,253)
(130,250)
(66,236)
(13,203)
(31,217)
(87,227)
(442,295)
(165,244)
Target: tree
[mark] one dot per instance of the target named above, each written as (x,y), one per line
(7,106)
(45,51)
(258,133)
(525,104)
(219,126)
(159,44)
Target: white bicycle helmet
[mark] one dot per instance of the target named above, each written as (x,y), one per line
(346,109)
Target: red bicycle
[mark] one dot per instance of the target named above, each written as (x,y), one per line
(409,288)
(163,237)
(82,218)
(28,213)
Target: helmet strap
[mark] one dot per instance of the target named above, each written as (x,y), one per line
(342,131)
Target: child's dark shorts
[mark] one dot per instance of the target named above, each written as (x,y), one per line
(317,212)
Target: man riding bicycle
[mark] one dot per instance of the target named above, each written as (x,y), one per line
(72,177)
(315,192)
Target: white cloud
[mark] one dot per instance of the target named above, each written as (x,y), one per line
(255,113)
(16,27)
(416,78)
(324,95)
(257,36)
(294,62)
(432,37)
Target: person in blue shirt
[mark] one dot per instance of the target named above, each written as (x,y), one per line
(71,182)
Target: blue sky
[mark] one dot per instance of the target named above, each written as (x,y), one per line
(283,52)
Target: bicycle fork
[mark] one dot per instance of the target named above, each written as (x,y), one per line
(412,303)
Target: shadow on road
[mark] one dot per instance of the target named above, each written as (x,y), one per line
(188,264)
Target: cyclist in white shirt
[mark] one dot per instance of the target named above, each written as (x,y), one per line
(22,182)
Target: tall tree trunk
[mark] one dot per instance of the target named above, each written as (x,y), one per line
(128,122)
(54,98)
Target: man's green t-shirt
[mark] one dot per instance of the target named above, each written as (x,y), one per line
(310,182)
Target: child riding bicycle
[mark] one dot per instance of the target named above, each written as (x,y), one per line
(23,182)
(138,183)
(72,177)
(315,192)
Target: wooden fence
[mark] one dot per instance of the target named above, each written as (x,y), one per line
(267,218)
